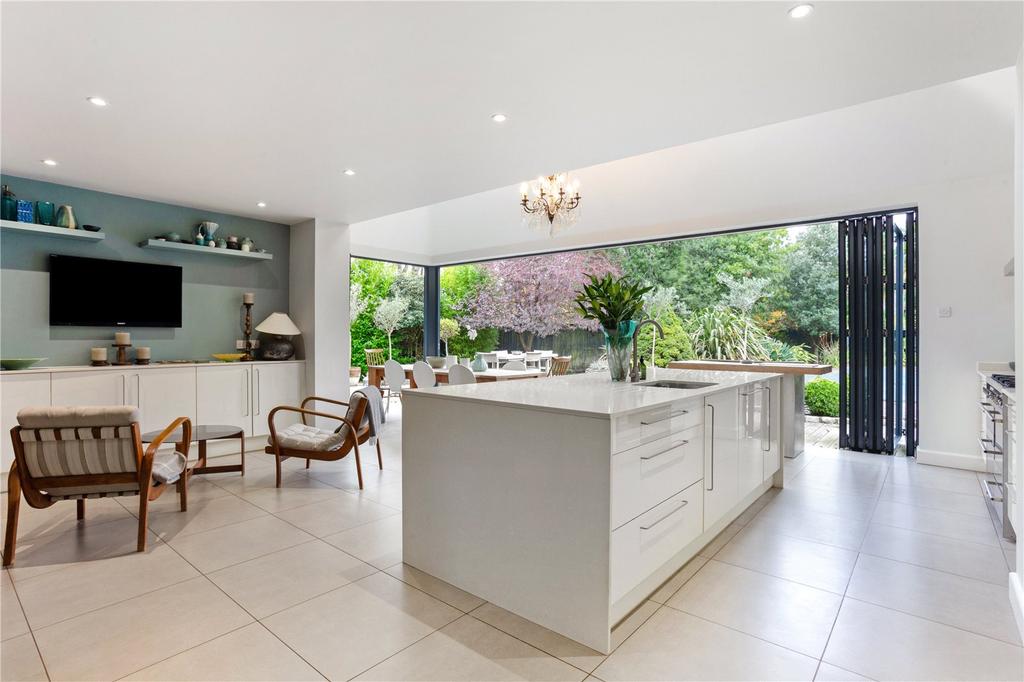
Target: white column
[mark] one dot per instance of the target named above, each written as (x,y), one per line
(1017,578)
(318,301)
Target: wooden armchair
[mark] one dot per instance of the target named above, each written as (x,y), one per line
(374,356)
(79,453)
(309,442)
(560,365)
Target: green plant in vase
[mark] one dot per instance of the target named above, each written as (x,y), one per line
(616,304)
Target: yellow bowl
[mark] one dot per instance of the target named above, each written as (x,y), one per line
(228,357)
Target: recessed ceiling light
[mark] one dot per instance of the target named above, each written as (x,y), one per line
(801,11)
(261,204)
(49,162)
(349,171)
(499,118)
(98,101)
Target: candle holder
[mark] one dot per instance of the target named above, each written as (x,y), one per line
(141,361)
(100,363)
(247,331)
(122,353)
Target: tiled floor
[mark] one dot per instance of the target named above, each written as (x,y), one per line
(864,567)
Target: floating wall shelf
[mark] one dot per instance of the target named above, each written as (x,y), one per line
(208,250)
(51,231)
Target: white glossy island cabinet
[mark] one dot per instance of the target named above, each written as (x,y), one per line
(569,500)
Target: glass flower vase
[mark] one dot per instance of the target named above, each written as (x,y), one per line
(619,347)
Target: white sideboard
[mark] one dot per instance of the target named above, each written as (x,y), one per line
(239,394)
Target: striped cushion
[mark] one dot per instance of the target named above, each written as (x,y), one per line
(76,451)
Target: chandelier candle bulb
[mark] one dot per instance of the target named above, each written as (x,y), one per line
(554,205)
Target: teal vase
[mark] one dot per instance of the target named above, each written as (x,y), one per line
(10,204)
(619,346)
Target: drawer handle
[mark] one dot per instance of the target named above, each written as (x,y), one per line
(669,449)
(665,419)
(685,502)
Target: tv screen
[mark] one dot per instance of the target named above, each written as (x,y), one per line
(92,292)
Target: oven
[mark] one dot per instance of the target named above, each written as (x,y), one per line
(993,440)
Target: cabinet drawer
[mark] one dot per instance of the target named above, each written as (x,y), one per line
(642,427)
(651,473)
(647,542)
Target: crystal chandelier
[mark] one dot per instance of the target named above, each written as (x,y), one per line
(553,206)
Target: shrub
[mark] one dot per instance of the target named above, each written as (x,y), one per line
(675,346)
(822,398)
(721,333)
(828,352)
(780,351)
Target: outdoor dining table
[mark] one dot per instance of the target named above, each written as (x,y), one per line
(375,374)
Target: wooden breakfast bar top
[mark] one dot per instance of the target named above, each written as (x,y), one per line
(738,366)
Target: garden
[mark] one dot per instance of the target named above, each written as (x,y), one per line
(758,295)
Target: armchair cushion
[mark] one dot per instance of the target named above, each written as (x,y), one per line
(303,437)
(57,417)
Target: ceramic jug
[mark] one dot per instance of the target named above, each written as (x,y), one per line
(66,217)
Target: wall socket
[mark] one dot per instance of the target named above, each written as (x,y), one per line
(945,311)
(240,344)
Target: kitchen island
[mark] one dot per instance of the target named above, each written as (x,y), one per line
(569,500)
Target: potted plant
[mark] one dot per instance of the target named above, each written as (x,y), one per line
(615,304)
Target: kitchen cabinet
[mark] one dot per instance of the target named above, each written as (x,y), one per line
(99,387)
(162,395)
(224,395)
(721,458)
(18,391)
(772,428)
(752,431)
(273,385)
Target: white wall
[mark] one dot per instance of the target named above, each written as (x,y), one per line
(319,302)
(1017,577)
(946,149)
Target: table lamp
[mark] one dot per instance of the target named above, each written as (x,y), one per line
(280,326)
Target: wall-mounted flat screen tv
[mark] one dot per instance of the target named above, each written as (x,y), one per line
(93,292)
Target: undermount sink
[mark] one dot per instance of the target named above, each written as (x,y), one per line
(669,383)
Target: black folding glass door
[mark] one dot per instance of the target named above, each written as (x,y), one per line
(878,348)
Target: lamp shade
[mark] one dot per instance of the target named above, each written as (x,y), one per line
(278,323)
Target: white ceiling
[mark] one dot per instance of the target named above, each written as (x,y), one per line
(221,105)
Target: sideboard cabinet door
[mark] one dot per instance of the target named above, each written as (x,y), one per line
(18,391)
(279,384)
(224,395)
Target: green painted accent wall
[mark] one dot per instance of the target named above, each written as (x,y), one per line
(212,286)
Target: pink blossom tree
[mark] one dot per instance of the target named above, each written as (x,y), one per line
(534,296)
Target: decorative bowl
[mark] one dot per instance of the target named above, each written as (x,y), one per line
(91,228)
(18,363)
(435,361)
(228,357)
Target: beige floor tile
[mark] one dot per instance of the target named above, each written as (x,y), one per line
(888,645)
(337,514)
(672,585)
(199,489)
(228,545)
(750,512)
(21,661)
(284,578)
(257,480)
(673,645)
(203,514)
(810,500)
(294,492)
(561,647)
(934,498)
(87,542)
(631,623)
(355,627)
(120,639)
(471,650)
(90,585)
(830,673)
(789,614)
(823,566)
(973,605)
(62,516)
(926,476)
(936,522)
(249,653)
(713,547)
(435,587)
(816,526)
(14,623)
(378,543)
(969,559)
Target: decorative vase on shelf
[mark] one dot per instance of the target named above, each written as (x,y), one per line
(66,217)
(10,205)
(45,212)
(619,346)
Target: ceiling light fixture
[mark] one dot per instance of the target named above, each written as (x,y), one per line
(261,204)
(801,11)
(555,199)
(48,162)
(499,118)
(349,171)
(97,101)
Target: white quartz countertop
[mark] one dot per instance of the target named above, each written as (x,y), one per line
(131,368)
(987,369)
(592,394)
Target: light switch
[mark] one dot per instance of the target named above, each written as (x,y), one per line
(945,311)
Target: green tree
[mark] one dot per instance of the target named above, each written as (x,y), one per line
(812,280)
(459,283)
